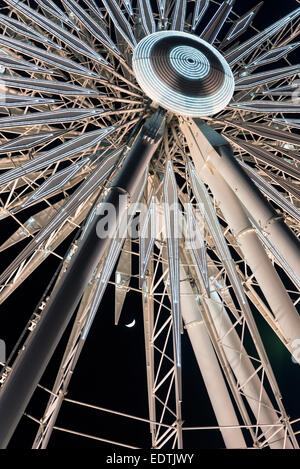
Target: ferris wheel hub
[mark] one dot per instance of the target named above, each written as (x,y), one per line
(183,73)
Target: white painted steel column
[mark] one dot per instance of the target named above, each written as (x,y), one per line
(209,366)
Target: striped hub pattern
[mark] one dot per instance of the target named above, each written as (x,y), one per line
(183,73)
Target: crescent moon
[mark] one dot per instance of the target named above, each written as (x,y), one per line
(131,324)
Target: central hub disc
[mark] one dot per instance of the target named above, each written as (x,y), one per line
(183,73)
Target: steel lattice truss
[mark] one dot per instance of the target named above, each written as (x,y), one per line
(71,109)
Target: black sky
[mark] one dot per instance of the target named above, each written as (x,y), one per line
(111,370)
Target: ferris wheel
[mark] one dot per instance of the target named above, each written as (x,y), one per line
(154,146)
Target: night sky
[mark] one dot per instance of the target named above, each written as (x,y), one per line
(111,371)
